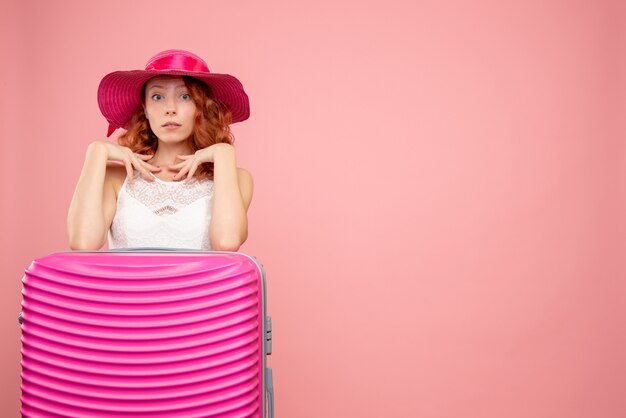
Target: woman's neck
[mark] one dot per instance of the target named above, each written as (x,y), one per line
(166,154)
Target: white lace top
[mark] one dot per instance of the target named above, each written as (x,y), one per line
(162,214)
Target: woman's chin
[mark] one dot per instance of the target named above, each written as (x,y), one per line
(173,137)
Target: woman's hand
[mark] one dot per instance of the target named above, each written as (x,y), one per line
(129,159)
(191,162)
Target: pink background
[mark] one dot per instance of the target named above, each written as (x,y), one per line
(439,188)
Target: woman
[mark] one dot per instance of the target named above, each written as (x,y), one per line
(172,179)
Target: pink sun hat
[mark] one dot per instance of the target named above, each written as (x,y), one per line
(119,93)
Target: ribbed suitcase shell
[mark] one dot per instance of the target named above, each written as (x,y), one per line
(145,333)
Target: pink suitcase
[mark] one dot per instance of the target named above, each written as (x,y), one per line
(145,332)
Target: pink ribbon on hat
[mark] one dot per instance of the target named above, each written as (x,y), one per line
(177,62)
(169,63)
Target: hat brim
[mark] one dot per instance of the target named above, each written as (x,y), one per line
(119,93)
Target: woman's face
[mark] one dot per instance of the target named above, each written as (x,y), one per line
(169,108)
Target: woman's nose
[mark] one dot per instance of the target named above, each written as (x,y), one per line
(170,107)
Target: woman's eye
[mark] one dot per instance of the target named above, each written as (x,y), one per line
(185,96)
(156,97)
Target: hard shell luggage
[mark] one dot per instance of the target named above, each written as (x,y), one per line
(145,332)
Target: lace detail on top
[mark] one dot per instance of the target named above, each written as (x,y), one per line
(162,214)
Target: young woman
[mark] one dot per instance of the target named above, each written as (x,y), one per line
(172,179)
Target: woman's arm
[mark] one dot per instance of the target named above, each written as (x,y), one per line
(231,198)
(86,227)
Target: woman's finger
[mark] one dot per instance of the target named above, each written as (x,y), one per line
(182,172)
(194,167)
(145,156)
(179,165)
(138,165)
(129,169)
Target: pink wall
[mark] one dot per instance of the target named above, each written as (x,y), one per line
(438,189)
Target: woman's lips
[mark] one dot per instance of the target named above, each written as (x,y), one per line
(171,126)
